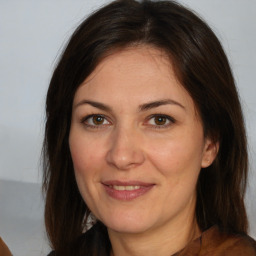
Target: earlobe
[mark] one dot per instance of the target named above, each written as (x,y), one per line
(210,152)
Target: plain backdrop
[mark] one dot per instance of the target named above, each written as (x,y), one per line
(32,34)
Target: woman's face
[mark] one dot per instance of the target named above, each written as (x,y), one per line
(137,143)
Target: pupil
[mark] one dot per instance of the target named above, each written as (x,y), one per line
(160,120)
(97,120)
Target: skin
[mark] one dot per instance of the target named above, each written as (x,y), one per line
(133,141)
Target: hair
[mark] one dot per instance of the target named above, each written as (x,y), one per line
(202,68)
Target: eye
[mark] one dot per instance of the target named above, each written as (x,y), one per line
(160,121)
(95,120)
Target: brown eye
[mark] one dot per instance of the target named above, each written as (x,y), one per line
(160,120)
(95,121)
(98,120)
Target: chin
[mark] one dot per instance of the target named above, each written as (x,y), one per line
(128,224)
(128,228)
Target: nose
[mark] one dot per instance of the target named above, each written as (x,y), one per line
(125,151)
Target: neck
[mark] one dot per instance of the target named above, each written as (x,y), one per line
(164,241)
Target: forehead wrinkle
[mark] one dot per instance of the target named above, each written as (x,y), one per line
(153,54)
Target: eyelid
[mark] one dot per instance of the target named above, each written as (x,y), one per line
(169,118)
(87,117)
(170,121)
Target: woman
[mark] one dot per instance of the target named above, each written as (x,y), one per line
(145,139)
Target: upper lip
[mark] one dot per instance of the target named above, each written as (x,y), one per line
(126,183)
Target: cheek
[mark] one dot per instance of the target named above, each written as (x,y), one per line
(178,156)
(85,156)
(83,160)
(81,166)
(85,153)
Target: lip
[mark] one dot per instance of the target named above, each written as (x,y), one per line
(126,195)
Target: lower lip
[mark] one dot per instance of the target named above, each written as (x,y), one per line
(127,195)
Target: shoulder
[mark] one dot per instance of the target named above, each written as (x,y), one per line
(215,242)
(4,250)
(94,241)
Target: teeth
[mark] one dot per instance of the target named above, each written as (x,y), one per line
(125,187)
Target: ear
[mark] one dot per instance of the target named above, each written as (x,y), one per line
(210,152)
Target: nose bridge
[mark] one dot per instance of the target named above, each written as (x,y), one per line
(125,149)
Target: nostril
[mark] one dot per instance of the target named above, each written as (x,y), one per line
(125,149)
(125,159)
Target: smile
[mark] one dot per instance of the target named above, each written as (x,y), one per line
(128,188)
(126,191)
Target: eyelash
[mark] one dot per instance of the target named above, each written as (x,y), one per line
(169,119)
(85,119)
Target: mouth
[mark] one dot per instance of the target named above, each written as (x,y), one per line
(126,191)
(122,188)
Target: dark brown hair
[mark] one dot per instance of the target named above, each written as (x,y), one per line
(202,68)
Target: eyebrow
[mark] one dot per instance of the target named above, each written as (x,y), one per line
(143,107)
(94,104)
(155,104)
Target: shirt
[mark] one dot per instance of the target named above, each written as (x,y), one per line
(213,242)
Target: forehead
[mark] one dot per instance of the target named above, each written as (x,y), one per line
(133,75)
(129,58)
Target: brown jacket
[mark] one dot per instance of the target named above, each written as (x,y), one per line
(4,251)
(212,243)
(215,243)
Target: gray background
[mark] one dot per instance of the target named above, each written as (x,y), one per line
(32,34)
